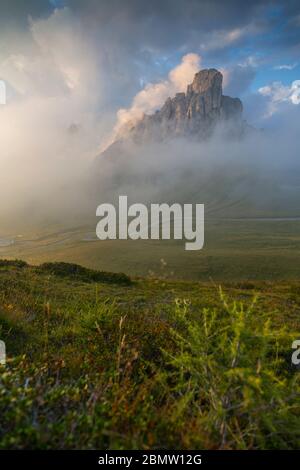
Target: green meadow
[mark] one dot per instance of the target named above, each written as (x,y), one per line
(102,360)
(234,249)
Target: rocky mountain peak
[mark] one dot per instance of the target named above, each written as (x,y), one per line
(205,80)
(195,113)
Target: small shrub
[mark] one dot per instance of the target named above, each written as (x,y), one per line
(72,270)
(17,263)
(230,376)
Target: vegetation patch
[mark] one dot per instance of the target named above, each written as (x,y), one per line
(173,365)
(88,275)
(17,263)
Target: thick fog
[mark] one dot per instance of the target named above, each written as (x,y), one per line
(67,100)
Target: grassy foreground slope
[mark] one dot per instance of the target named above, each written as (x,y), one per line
(98,361)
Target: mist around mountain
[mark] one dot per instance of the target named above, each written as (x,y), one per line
(199,148)
(194,114)
(194,146)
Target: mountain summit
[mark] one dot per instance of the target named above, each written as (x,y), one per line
(195,113)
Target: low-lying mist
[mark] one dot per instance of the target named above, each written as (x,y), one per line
(251,176)
(55,175)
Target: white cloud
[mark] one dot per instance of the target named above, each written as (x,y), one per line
(56,85)
(154,95)
(279,93)
(219,39)
(251,61)
(286,66)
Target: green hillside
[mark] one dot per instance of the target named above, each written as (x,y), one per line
(96,360)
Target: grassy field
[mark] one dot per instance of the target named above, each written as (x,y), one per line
(101,361)
(235,249)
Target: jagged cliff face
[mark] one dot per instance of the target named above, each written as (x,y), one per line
(195,113)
